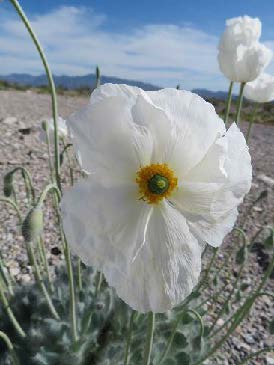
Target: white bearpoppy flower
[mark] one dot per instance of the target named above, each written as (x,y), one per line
(166,178)
(242,30)
(261,89)
(62,130)
(244,63)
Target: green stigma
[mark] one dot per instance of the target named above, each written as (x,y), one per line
(158,184)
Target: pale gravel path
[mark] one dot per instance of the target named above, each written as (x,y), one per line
(17,149)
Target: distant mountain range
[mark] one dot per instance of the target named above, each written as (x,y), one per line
(88,81)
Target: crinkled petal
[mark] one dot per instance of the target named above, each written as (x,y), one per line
(214,188)
(103,223)
(197,127)
(111,145)
(166,268)
(147,254)
(239,171)
(163,130)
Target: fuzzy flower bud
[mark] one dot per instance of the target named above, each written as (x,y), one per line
(33,224)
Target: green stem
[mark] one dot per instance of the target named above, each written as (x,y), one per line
(205,251)
(43,255)
(79,274)
(6,276)
(252,119)
(230,295)
(14,205)
(129,336)
(207,272)
(39,280)
(255,354)
(98,77)
(44,193)
(149,339)
(9,344)
(10,314)
(239,103)
(228,102)
(49,153)
(71,288)
(25,20)
(98,283)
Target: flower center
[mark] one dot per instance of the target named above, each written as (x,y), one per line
(156,182)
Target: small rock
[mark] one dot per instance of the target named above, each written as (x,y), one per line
(220,322)
(10,120)
(267,180)
(249,339)
(257,209)
(269,360)
(14,271)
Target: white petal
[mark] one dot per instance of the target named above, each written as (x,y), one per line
(195,197)
(148,256)
(239,171)
(111,145)
(211,232)
(163,130)
(197,126)
(104,224)
(214,189)
(128,94)
(166,268)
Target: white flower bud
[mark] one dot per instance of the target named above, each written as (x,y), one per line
(261,89)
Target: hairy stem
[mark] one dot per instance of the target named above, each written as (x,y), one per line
(149,339)
(35,40)
(228,102)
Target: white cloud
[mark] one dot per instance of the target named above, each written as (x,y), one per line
(76,39)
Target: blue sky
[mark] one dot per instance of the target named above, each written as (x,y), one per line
(163,42)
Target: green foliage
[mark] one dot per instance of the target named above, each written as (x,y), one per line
(102,325)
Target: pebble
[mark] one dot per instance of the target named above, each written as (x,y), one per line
(269,360)
(267,180)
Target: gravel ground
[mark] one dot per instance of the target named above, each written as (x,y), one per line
(20,117)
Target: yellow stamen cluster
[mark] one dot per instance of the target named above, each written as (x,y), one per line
(147,174)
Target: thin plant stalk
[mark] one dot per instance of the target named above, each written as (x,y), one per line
(10,314)
(49,153)
(79,274)
(57,195)
(14,206)
(43,255)
(6,276)
(40,282)
(79,264)
(240,103)
(228,102)
(149,339)
(98,77)
(255,354)
(129,336)
(230,295)
(71,288)
(231,317)
(35,40)
(10,347)
(207,272)
(252,119)
(98,283)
